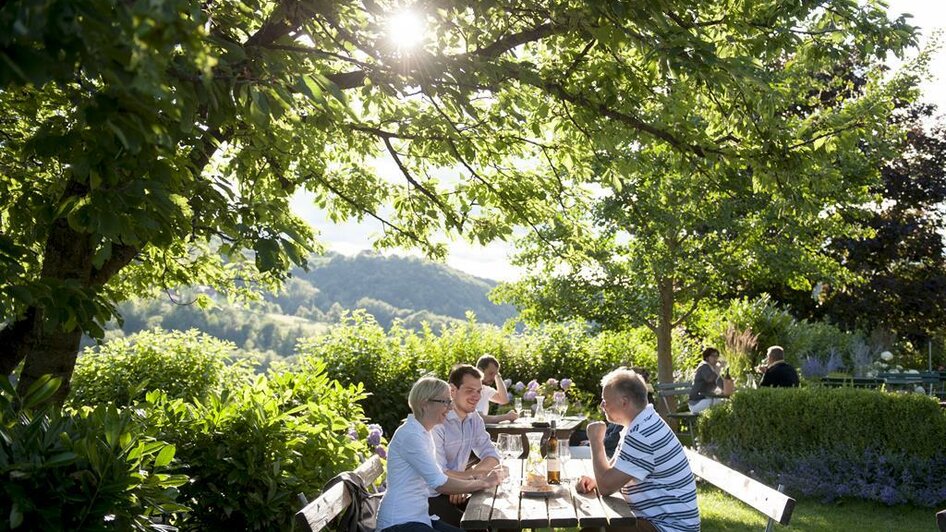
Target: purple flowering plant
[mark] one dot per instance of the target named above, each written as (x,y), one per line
(372,435)
(552,389)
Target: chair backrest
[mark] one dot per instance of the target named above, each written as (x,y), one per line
(671,389)
(854,382)
(775,504)
(317,514)
(666,389)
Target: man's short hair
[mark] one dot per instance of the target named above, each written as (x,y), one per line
(776,353)
(486,361)
(710,351)
(423,390)
(462,370)
(629,384)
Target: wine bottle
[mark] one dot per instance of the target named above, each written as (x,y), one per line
(552,463)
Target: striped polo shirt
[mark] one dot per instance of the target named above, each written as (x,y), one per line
(662,489)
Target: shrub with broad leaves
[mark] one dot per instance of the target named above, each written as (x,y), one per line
(86,469)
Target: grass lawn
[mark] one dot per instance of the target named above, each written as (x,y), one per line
(720,511)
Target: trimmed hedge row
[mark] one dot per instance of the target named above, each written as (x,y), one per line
(832,443)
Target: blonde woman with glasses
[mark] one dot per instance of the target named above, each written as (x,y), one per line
(412,465)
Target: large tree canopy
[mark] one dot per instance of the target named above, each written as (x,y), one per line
(899,262)
(150,144)
(664,229)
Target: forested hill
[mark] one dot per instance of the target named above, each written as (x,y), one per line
(410,289)
(405,283)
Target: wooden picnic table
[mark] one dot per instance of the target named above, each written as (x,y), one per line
(505,506)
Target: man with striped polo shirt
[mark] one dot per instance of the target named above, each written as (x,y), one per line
(649,467)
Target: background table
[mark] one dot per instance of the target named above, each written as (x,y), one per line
(564,427)
(505,507)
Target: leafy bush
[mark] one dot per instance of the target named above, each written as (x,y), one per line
(250,450)
(185,365)
(358,351)
(85,470)
(860,443)
(822,346)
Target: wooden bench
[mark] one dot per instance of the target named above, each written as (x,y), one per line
(941,520)
(317,514)
(772,503)
(673,389)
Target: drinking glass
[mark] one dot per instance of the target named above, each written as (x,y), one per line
(564,455)
(509,447)
(518,405)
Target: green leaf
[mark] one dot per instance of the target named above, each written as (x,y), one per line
(165,456)
(16,516)
(41,390)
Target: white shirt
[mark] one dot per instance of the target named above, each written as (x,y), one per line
(487,394)
(412,471)
(455,440)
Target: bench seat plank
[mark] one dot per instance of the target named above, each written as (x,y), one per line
(319,513)
(770,502)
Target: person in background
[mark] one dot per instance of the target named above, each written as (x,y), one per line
(777,373)
(707,387)
(412,467)
(649,468)
(462,434)
(489,366)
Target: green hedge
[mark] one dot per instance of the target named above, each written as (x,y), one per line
(810,419)
(834,443)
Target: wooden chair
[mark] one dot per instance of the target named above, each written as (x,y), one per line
(772,503)
(673,389)
(317,514)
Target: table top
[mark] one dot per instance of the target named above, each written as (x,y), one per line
(505,507)
(563,426)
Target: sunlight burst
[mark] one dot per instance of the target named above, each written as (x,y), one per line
(406,30)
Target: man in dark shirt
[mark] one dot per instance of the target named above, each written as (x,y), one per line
(777,372)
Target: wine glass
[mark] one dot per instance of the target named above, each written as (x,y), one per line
(561,407)
(518,405)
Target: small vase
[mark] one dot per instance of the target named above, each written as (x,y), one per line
(539,408)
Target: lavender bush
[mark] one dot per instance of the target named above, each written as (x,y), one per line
(828,475)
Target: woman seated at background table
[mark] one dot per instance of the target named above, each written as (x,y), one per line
(707,387)
(412,464)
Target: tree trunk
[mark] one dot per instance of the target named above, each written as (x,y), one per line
(664,329)
(665,338)
(49,349)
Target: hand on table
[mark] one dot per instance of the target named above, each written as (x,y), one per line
(585,484)
(458,498)
(512,415)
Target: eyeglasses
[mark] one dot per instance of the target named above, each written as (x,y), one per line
(447,402)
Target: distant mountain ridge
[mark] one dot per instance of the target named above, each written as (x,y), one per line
(407,283)
(408,289)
